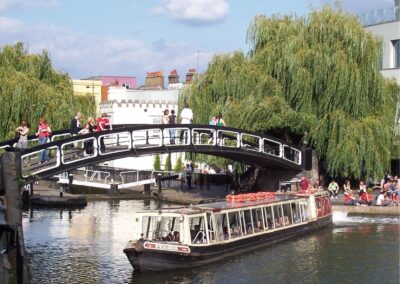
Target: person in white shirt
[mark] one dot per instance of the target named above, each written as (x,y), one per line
(186,118)
(381,199)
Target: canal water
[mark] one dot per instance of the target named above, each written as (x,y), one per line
(85,246)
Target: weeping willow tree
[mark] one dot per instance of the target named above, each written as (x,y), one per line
(30,88)
(308,80)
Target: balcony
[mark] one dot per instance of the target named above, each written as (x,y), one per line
(380,16)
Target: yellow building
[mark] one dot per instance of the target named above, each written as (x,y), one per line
(85,87)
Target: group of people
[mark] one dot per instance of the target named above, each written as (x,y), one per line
(44,133)
(101,124)
(170,118)
(388,195)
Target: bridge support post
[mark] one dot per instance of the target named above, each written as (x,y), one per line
(70,181)
(146,189)
(11,174)
(159,182)
(61,190)
(31,188)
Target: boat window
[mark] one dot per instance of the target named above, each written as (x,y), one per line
(304,211)
(278,221)
(296,212)
(234,224)
(221,223)
(161,228)
(287,214)
(268,217)
(211,228)
(197,230)
(258,223)
(248,225)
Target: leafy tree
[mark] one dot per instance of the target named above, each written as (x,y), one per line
(157,163)
(168,163)
(179,165)
(313,79)
(30,88)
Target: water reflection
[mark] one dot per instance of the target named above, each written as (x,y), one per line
(85,246)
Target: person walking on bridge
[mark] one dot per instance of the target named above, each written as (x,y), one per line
(172,123)
(75,125)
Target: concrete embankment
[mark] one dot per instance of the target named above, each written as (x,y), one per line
(368,210)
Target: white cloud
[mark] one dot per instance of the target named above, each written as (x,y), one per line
(194,12)
(82,54)
(25,4)
(10,25)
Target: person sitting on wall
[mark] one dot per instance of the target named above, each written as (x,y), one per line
(382,199)
(333,189)
(395,199)
(349,199)
(364,196)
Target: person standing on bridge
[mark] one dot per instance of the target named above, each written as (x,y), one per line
(43,134)
(165,118)
(22,132)
(188,171)
(219,121)
(103,123)
(186,118)
(75,125)
(172,123)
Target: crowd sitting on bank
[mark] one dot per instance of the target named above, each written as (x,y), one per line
(388,195)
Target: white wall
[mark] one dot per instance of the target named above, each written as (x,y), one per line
(387,32)
(139,107)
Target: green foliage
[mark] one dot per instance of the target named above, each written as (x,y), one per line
(168,163)
(157,163)
(30,88)
(179,165)
(316,76)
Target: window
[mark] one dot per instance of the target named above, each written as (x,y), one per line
(396,53)
(268,217)
(221,223)
(296,212)
(278,216)
(197,230)
(248,228)
(234,224)
(161,228)
(287,214)
(258,222)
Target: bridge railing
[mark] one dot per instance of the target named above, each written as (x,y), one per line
(75,150)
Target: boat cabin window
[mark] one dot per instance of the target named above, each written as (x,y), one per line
(296,212)
(247,224)
(234,224)
(268,217)
(278,215)
(197,230)
(258,223)
(304,211)
(287,214)
(161,228)
(221,224)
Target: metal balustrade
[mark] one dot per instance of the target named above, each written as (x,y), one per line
(66,153)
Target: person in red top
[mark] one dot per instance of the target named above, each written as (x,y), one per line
(304,183)
(364,196)
(43,134)
(103,123)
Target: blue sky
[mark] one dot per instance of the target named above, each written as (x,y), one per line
(132,37)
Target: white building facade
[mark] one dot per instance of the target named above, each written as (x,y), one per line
(385,24)
(126,106)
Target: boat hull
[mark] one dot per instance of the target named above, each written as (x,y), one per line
(158,260)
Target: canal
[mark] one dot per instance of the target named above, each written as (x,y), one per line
(85,246)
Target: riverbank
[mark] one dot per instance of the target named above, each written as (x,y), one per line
(47,196)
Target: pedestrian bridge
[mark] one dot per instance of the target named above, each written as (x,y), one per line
(67,153)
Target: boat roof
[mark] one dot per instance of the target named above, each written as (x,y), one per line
(222,205)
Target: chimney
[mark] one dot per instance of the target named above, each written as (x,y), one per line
(173,77)
(189,75)
(155,80)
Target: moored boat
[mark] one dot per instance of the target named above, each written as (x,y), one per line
(183,237)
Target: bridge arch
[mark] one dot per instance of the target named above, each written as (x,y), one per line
(68,153)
